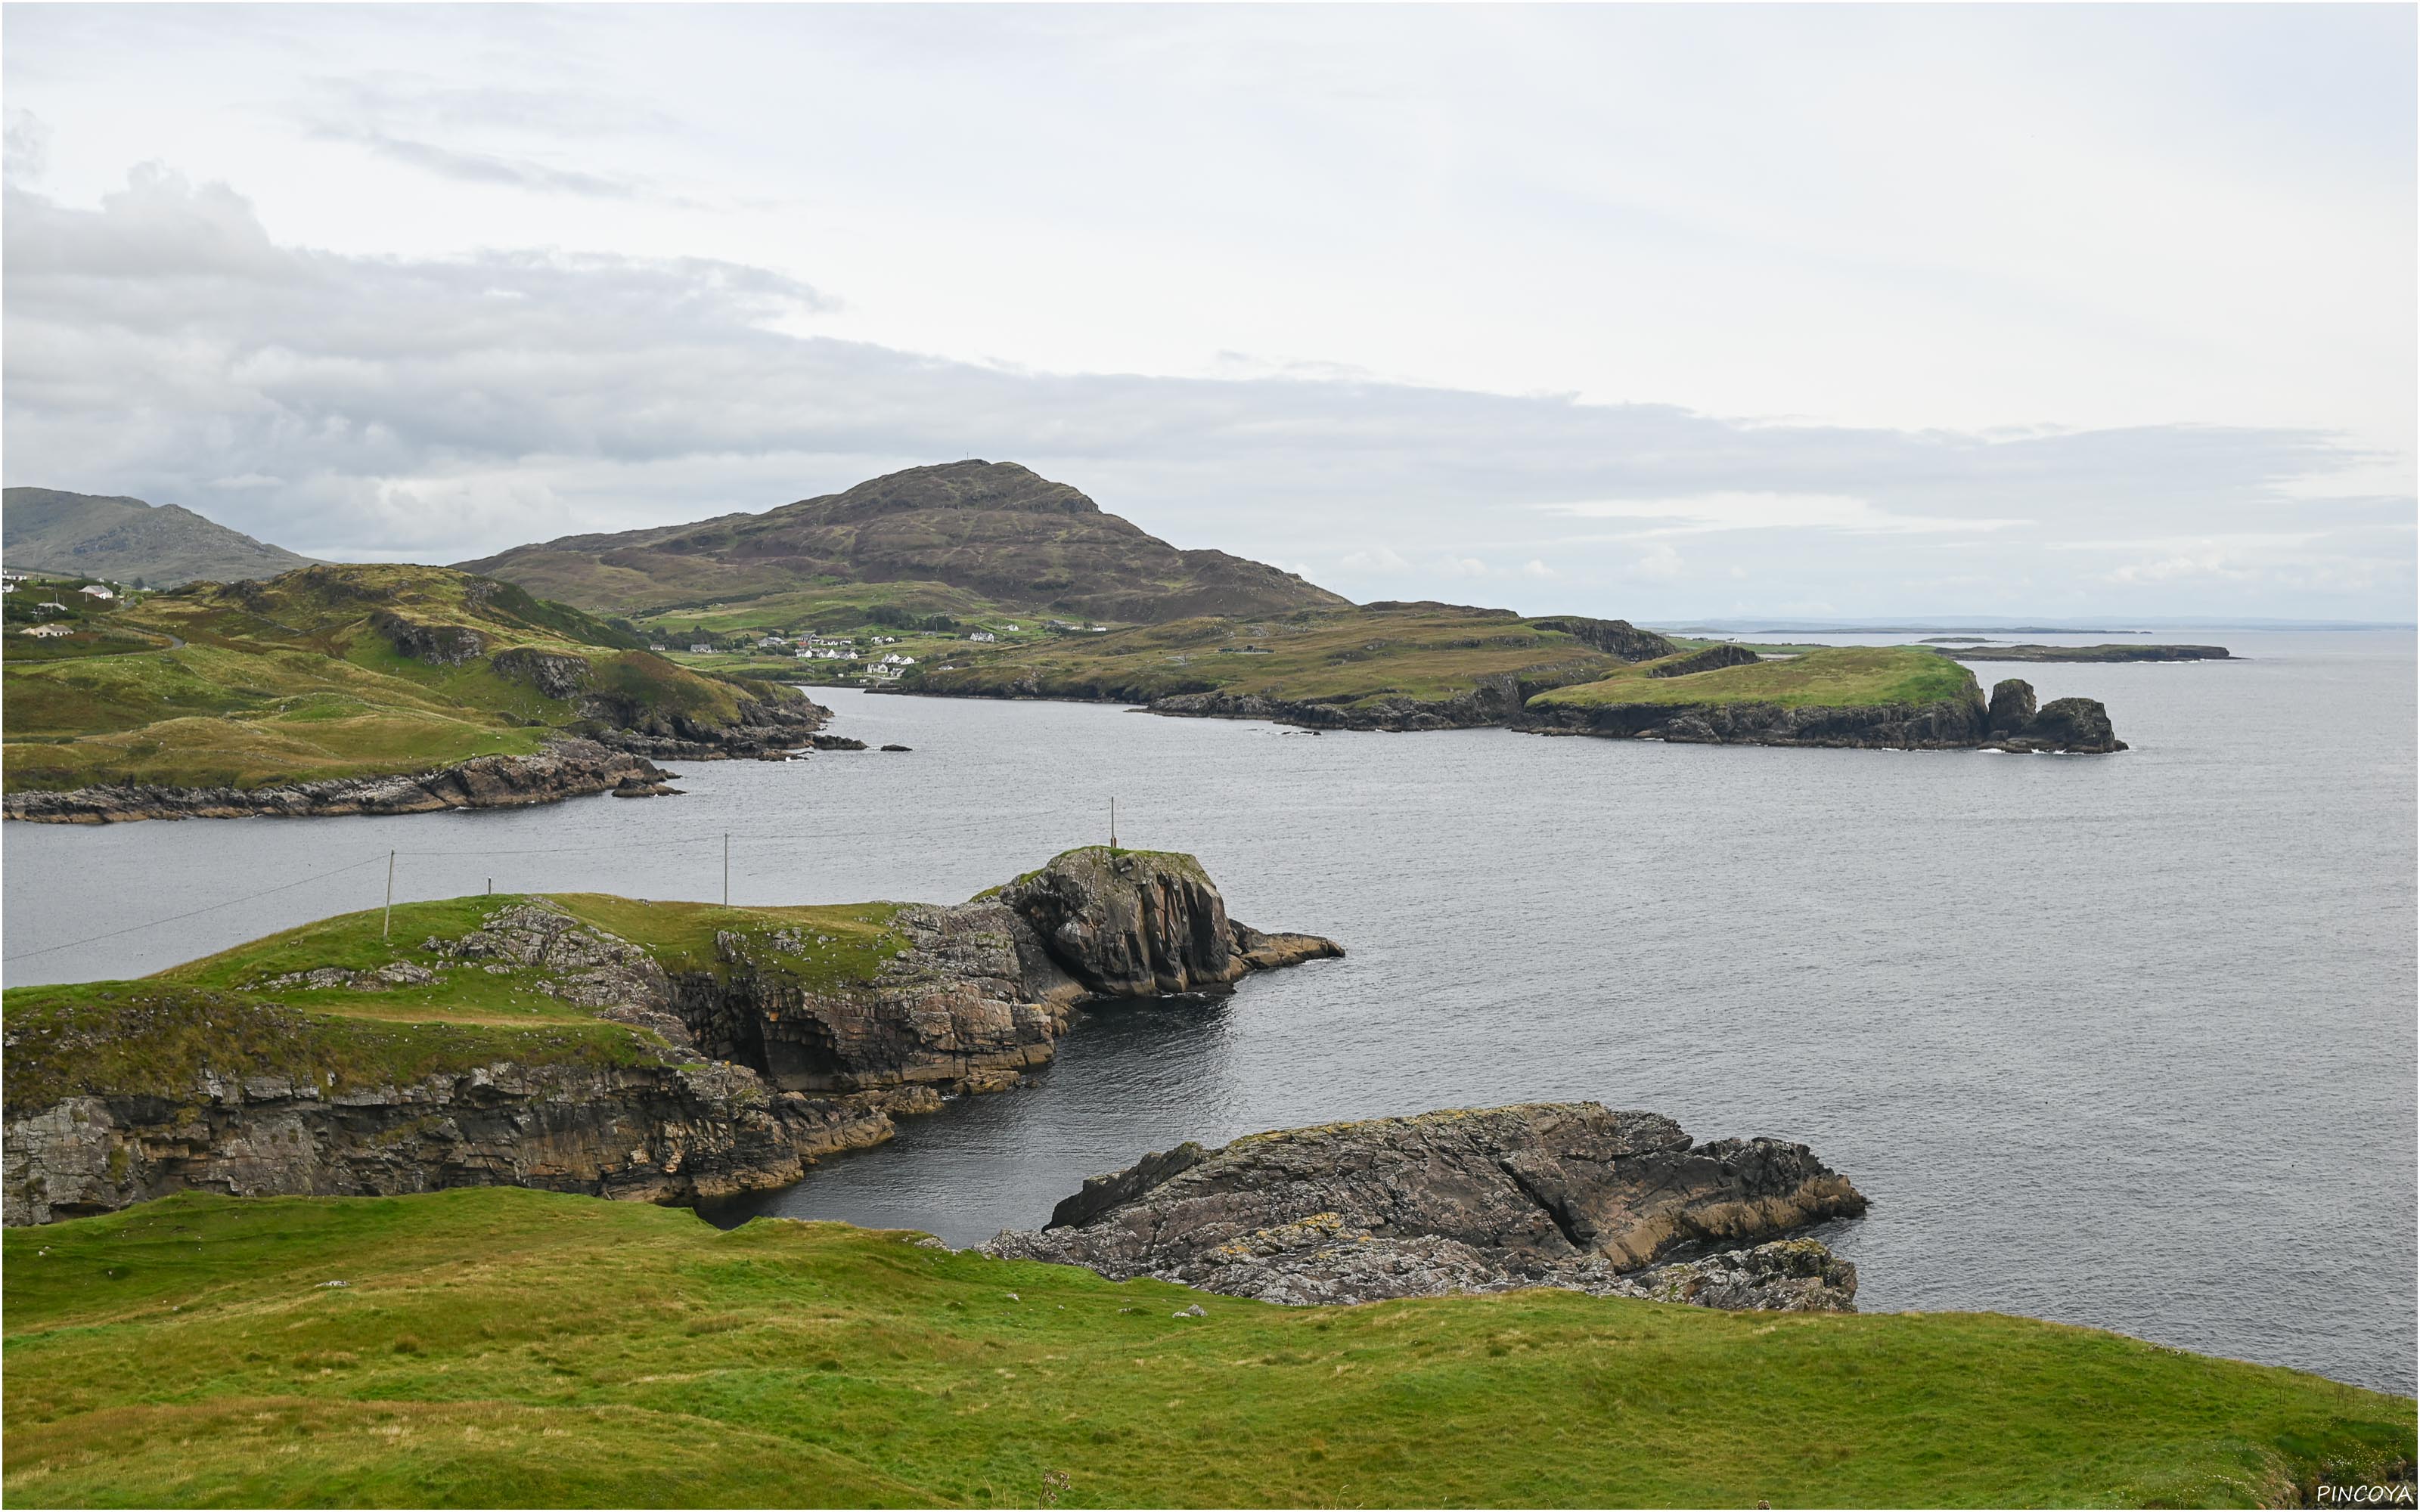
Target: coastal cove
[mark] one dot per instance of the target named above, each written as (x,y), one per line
(2186,1121)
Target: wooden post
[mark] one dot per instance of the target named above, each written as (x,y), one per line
(1113,822)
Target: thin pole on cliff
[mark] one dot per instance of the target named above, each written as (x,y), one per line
(386,930)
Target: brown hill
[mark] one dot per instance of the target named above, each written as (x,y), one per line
(994,529)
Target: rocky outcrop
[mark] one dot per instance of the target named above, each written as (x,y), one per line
(439,645)
(1495,699)
(567,770)
(556,674)
(1714,658)
(970,997)
(1948,724)
(764,727)
(658,1133)
(2012,708)
(1616,637)
(2070,726)
(1563,1195)
(786,1044)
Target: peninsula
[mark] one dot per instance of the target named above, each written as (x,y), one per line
(351,689)
(579,1042)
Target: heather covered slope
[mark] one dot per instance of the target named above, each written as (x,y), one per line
(994,530)
(497,1346)
(343,672)
(49,529)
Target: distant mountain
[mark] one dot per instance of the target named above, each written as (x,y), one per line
(993,529)
(49,529)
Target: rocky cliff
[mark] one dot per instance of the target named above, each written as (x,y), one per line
(1561,1194)
(567,770)
(2010,721)
(772,1040)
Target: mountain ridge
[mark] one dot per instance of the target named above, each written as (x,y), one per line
(122,538)
(997,528)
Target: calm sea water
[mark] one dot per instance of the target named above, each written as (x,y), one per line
(2126,1042)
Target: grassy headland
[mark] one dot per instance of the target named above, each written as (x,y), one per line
(499,1346)
(238,1013)
(1430,652)
(1829,676)
(323,673)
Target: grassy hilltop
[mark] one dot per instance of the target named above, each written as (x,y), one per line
(326,672)
(499,1347)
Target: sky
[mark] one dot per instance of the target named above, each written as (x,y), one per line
(1663,312)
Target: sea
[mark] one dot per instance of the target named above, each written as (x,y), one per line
(2125,1041)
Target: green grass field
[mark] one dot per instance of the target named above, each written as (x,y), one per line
(1828,676)
(220,1014)
(300,678)
(497,1346)
(1335,657)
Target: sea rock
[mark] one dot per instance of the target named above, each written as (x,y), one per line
(566,769)
(2073,726)
(2012,707)
(1566,1195)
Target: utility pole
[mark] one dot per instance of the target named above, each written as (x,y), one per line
(387,930)
(1113,820)
(726,869)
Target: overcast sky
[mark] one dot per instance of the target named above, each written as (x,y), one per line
(1665,312)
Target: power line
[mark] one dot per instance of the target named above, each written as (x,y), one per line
(172,918)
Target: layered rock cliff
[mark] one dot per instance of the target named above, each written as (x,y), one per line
(1946,724)
(566,769)
(1561,1194)
(777,1039)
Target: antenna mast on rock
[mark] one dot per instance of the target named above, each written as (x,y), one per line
(1113,822)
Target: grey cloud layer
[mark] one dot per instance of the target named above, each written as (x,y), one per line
(163,344)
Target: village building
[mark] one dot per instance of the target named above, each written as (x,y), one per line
(983,635)
(47,631)
(700,649)
(97,590)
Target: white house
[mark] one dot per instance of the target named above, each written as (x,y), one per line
(895,660)
(700,649)
(1013,629)
(97,592)
(770,641)
(8,585)
(51,603)
(882,672)
(983,635)
(46,631)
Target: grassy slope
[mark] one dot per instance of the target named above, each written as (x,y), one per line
(1836,676)
(291,681)
(1344,658)
(504,1347)
(156,1035)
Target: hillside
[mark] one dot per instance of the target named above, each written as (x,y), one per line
(994,531)
(1408,665)
(342,671)
(496,1346)
(48,530)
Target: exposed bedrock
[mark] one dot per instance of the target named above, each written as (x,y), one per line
(981,991)
(1714,658)
(764,727)
(1563,1195)
(658,1134)
(2073,726)
(785,1045)
(1946,724)
(1496,698)
(566,769)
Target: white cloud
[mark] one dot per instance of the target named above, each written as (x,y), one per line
(1734,511)
(1535,568)
(1377,559)
(1660,564)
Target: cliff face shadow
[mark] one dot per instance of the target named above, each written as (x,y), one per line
(1003,1159)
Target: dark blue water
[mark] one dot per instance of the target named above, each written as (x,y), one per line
(2126,1042)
